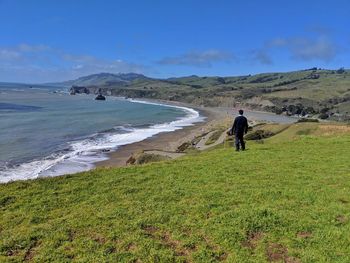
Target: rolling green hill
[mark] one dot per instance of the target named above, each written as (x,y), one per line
(284,200)
(319,92)
(102,79)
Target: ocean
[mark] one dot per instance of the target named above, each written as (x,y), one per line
(45,131)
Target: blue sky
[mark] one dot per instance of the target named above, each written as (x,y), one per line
(49,40)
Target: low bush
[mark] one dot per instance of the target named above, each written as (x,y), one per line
(258,135)
(307,120)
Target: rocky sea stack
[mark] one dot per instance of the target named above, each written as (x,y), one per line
(100,97)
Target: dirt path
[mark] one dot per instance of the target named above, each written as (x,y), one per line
(202,146)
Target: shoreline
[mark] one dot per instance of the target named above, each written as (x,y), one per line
(84,154)
(169,141)
(209,120)
(166,141)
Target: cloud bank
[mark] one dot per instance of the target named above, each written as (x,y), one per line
(198,58)
(316,46)
(41,63)
(307,49)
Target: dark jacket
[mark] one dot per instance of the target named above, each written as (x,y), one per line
(240,125)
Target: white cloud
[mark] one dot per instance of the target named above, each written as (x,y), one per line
(198,58)
(89,64)
(277,42)
(307,48)
(32,48)
(41,63)
(6,55)
(77,66)
(317,45)
(20,51)
(262,56)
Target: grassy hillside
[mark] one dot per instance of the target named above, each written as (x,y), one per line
(314,91)
(102,79)
(281,200)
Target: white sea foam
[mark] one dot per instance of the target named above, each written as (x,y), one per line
(82,154)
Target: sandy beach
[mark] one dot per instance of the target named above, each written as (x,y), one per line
(169,141)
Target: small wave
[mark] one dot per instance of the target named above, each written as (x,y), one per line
(36,88)
(119,129)
(17,107)
(82,154)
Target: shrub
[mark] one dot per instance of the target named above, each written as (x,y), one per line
(148,158)
(323,116)
(307,120)
(258,135)
(324,110)
(183,147)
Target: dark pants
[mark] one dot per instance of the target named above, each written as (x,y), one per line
(239,141)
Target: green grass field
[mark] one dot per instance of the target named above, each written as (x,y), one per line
(282,201)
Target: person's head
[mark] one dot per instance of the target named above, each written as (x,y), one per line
(240,112)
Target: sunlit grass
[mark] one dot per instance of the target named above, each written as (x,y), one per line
(283,201)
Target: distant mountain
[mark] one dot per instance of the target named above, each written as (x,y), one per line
(99,79)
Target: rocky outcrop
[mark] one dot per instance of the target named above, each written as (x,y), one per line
(100,97)
(118,92)
(79,89)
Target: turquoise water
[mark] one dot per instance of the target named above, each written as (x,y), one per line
(47,132)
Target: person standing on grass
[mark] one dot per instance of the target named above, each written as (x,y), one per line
(239,128)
